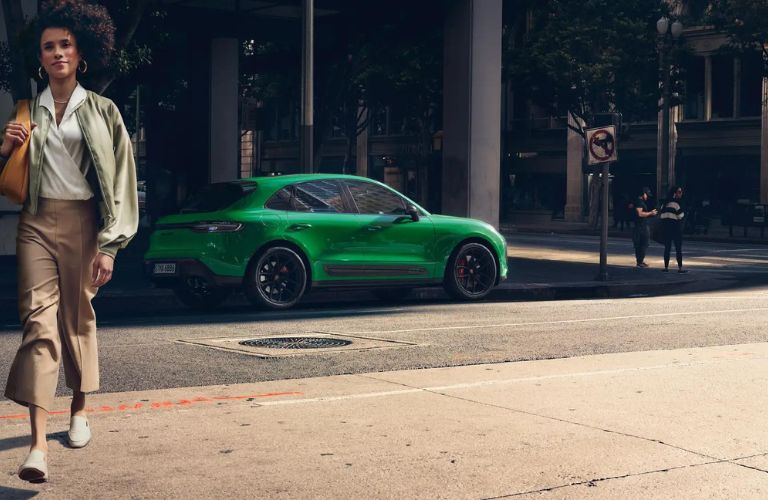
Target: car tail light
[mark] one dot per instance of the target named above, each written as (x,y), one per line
(216,227)
(204,226)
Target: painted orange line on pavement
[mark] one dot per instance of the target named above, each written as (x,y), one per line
(156,405)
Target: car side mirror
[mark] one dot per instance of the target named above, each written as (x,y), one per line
(413,212)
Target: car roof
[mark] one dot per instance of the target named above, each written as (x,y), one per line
(284,180)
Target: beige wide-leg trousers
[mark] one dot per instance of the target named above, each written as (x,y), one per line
(55,251)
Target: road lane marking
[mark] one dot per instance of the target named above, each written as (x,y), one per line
(485,383)
(158,405)
(558,322)
(382,378)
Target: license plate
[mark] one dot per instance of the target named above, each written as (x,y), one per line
(164,268)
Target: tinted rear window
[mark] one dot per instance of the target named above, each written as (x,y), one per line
(214,197)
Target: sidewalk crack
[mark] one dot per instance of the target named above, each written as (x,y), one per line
(594,481)
(713,460)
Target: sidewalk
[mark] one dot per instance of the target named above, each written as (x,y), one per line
(658,424)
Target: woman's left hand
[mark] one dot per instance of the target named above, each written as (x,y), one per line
(102,269)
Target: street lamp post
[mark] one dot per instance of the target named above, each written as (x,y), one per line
(668,32)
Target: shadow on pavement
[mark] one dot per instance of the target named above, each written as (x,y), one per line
(17,494)
(130,299)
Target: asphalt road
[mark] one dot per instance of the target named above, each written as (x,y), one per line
(161,353)
(179,348)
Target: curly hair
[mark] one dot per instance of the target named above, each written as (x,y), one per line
(91,24)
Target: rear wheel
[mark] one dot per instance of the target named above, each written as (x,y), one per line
(471,272)
(197,292)
(276,279)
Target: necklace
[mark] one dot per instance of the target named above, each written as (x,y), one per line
(61,102)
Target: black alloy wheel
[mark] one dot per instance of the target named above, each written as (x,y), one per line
(471,273)
(197,292)
(277,279)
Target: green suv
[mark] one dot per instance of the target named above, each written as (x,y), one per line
(278,237)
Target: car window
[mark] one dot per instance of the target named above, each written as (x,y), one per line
(281,200)
(318,196)
(314,196)
(374,199)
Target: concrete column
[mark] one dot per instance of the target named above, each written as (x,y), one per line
(708,88)
(472,109)
(736,87)
(764,146)
(9,217)
(224,125)
(574,194)
(306,139)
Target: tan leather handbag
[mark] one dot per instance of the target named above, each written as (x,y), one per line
(14,178)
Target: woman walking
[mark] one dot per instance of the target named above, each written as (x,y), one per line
(672,226)
(81,208)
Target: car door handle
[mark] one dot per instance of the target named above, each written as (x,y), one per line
(299,227)
(375,228)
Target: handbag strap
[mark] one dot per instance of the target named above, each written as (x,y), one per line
(22,114)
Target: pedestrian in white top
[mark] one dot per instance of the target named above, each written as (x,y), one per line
(672,215)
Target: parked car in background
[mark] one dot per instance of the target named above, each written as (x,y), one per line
(279,237)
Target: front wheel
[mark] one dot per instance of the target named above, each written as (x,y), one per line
(197,292)
(471,272)
(277,279)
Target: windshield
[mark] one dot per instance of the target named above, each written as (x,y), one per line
(212,197)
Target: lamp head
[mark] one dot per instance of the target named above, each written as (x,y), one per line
(662,25)
(677,29)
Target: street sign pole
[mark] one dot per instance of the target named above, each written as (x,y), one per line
(602,274)
(602,149)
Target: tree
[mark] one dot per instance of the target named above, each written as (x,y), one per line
(745,22)
(585,56)
(367,57)
(137,24)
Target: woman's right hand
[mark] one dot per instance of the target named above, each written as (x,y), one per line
(14,136)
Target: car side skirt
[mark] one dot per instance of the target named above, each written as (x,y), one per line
(376,283)
(363,271)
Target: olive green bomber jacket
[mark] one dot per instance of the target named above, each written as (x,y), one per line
(113,173)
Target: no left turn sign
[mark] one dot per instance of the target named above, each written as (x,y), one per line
(601,145)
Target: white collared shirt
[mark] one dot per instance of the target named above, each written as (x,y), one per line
(65,158)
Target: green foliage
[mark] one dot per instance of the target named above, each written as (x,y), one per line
(586,56)
(139,32)
(745,22)
(365,59)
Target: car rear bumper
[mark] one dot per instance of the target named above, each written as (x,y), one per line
(185,268)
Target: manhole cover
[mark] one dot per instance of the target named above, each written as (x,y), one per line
(296,342)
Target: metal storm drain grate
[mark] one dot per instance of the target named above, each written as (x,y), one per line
(277,346)
(296,342)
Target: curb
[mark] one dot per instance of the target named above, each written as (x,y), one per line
(507,231)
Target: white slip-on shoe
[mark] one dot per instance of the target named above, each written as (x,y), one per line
(79,433)
(35,468)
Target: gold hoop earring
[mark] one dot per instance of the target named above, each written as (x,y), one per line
(40,73)
(85,66)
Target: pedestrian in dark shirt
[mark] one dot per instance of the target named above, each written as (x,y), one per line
(672,215)
(642,235)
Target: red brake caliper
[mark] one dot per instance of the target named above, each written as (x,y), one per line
(462,266)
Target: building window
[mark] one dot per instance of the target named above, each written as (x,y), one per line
(694,89)
(379,122)
(722,87)
(751,84)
